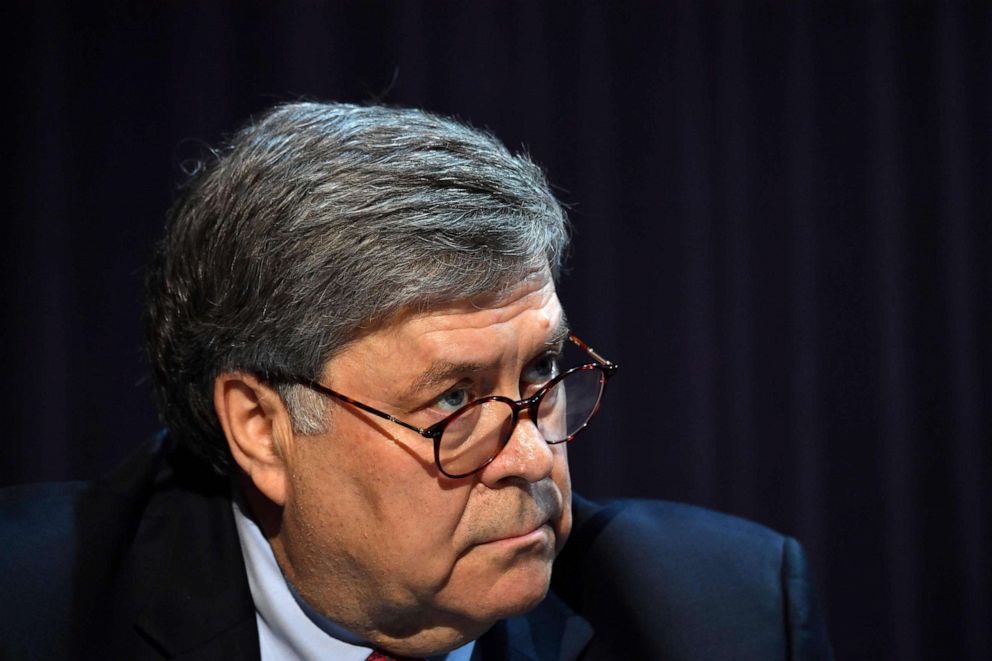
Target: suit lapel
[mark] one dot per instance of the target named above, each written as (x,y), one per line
(188,570)
(550,632)
(201,596)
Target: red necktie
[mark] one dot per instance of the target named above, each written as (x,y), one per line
(376,655)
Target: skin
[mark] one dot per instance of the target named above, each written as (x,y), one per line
(360,519)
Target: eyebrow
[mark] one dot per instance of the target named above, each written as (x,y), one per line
(443,371)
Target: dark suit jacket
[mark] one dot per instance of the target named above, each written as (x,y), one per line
(145,564)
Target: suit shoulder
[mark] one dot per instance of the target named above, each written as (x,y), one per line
(20,505)
(38,535)
(62,544)
(681,580)
(37,524)
(675,527)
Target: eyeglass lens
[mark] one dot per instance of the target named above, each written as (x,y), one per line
(480,431)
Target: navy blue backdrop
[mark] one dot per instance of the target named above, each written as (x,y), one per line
(782,230)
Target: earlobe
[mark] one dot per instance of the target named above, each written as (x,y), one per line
(256,425)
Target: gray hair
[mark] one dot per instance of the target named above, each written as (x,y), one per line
(315,225)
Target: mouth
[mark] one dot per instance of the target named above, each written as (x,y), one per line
(531,522)
(540,533)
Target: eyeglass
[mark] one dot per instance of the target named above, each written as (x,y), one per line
(469,439)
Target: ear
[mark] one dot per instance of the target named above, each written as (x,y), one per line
(258,430)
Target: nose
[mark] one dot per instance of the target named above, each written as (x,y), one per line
(526,455)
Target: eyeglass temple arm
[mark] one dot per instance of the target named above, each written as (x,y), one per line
(609,364)
(324,390)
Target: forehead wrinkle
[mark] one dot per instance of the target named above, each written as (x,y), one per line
(431,328)
(442,371)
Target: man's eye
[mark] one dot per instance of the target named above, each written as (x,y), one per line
(541,371)
(452,400)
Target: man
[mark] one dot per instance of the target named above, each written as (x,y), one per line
(363,368)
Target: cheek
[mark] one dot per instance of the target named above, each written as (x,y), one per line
(413,542)
(393,523)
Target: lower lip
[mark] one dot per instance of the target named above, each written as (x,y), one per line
(539,534)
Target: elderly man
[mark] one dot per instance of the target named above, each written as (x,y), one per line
(368,384)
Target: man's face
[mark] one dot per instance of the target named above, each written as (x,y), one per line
(372,534)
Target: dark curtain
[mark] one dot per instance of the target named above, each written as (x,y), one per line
(782,230)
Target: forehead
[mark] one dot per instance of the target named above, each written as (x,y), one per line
(498,330)
(531,305)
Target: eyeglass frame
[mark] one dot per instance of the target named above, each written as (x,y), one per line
(436,430)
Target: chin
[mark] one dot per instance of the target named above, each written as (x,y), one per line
(519,590)
(501,579)
(525,602)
